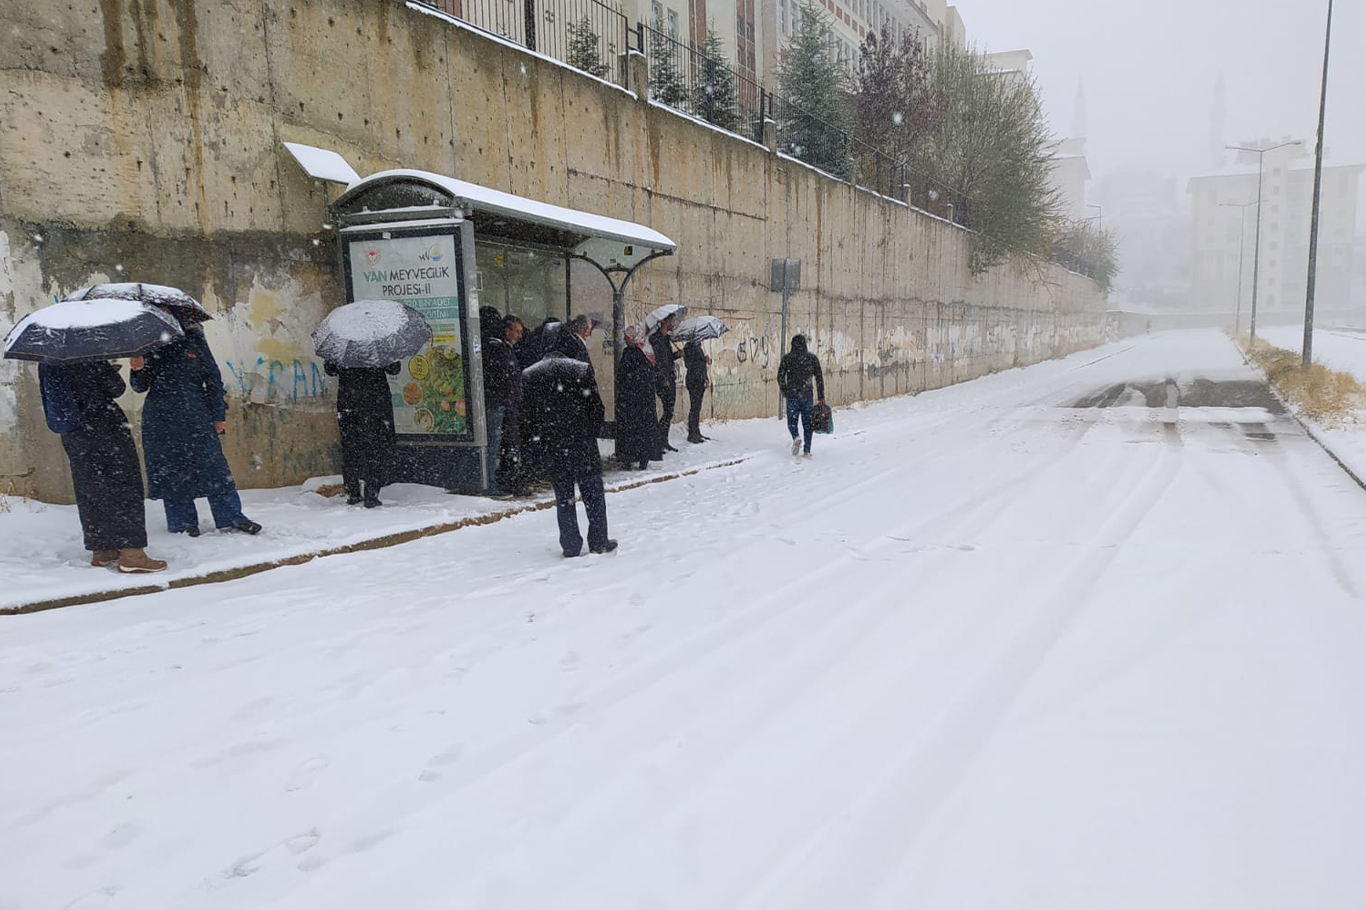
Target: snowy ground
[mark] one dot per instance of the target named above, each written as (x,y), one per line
(1342,349)
(43,558)
(986,650)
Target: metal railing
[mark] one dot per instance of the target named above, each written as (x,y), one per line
(685,78)
(836,151)
(587,34)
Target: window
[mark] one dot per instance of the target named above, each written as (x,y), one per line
(782,16)
(657,9)
(673,24)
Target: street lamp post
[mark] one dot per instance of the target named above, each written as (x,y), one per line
(1242,245)
(1318,189)
(1100,217)
(1257,244)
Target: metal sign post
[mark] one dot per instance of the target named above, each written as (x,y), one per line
(785,275)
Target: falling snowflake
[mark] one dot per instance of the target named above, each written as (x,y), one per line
(897,118)
(118,268)
(317,242)
(37,238)
(327,227)
(165,337)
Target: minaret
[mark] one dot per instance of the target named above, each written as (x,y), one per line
(1218,124)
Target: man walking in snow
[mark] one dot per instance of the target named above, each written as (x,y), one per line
(795,374)
(562,413)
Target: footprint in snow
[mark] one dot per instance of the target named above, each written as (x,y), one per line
(290,846)
(306,773)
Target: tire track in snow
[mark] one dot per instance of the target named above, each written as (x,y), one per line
(917,778)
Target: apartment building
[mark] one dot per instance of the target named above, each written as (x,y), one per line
(1224,222)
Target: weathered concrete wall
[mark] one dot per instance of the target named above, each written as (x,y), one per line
(141,139)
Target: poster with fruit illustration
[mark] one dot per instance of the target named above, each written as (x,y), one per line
(423,271)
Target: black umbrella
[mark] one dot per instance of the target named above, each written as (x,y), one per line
(155,294)
(84,331)
(371,333)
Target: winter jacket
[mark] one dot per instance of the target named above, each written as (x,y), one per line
(76,395)
(185,397)
(695,362)
(666,377)
(562,413)
(500,372)
(796,370)
(533,345)
(634,424)
(364,396)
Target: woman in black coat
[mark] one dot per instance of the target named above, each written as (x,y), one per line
(365,417)
(79,403)
(635,429)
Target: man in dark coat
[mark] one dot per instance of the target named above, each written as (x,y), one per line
(666,378)
(633,425)
(561,414)
(533,344)
(79,404)
(582,327)
(509,477)
(696,362)
(365,417)
(185,412)
(795,373)
(500,367)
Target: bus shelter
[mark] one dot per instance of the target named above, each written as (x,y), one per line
(443,246)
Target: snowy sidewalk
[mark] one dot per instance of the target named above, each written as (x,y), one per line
(1083,635)
(45,566)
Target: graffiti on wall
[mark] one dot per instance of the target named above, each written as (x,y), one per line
(275,382)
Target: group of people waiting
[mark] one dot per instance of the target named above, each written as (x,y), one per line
(184,414)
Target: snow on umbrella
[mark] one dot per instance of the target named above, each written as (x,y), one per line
(657,316)
(155,294)
(371,333)
(85,331)
(699,328)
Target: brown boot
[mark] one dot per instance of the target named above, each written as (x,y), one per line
(103,559)
(138,561)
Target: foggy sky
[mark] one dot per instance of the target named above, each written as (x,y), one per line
(1150,68)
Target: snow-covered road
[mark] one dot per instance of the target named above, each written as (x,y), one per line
(986,650)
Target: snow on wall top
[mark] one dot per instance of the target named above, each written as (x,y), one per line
(322,164)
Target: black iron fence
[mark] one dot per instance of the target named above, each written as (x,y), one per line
(587,34)
(686,78)
(595,37)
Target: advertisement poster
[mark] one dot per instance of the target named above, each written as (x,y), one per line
(423,271)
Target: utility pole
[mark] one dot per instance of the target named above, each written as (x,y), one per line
(1318,190)
(1257,244)
(1242,245)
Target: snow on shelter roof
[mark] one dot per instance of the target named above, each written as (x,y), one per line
(481,199)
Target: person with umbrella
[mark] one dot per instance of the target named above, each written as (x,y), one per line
(73,342)
(184,414)
(365,423)
(634,427)
(666,376)
(363,344)
(561,413)
(796,371)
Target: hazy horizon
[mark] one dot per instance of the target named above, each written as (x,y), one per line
(1150,72)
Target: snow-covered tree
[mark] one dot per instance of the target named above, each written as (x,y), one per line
(1084,247)
(666,82)
(585,49)
(714,95)
(816,128)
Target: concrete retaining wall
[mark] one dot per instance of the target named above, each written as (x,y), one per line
(141,139)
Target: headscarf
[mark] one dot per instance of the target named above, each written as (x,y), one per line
(636,338)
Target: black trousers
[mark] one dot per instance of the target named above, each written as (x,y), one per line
(594,503)
(367,448)
(695,394)
(107,476)
(667,396)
